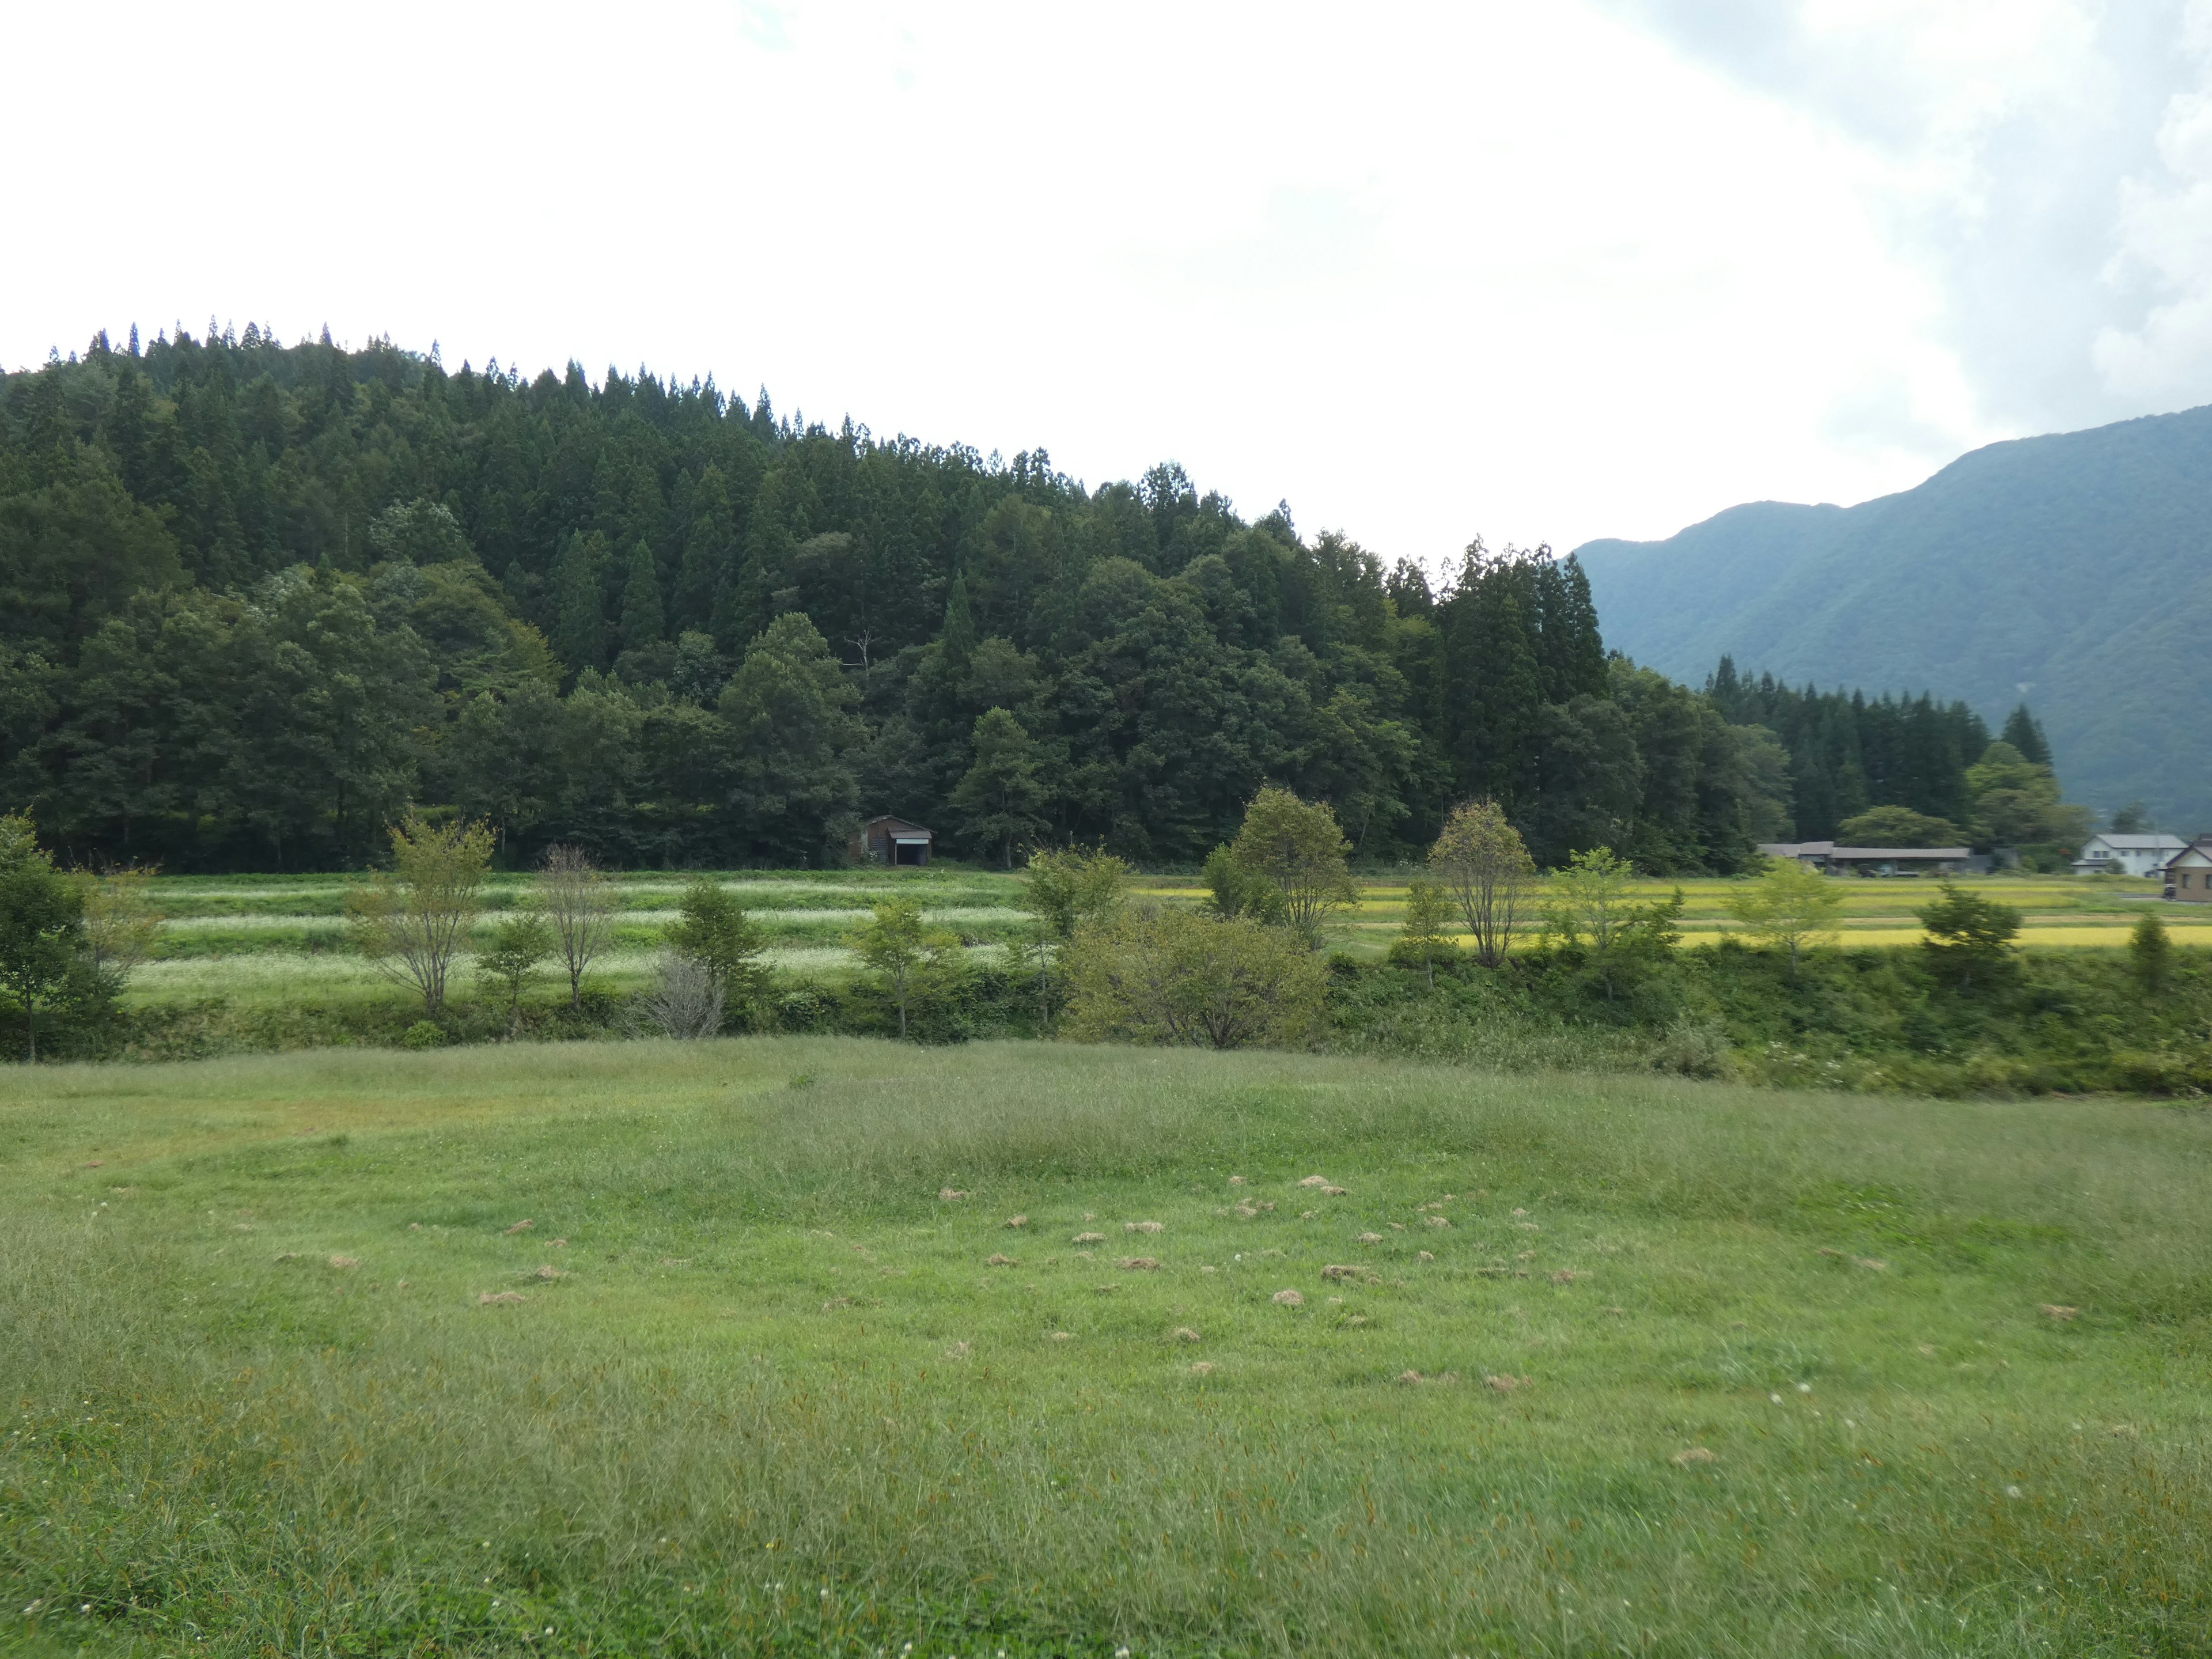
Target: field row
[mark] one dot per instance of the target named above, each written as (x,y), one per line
(258,939)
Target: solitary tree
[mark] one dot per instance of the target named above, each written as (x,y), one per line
(1001,799)
(909,959)
(579,903)
(1427,933)
(1486,869)
(413,919)
(1790,907)
(519,944)
(713,930)
(1065,890)
(120,922)
(1969,937)
(41,925)
(1297,847)
(2150,953)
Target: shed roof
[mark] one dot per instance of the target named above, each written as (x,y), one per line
(1900,853)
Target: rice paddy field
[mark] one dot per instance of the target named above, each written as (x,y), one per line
(283,938)
(815,1345)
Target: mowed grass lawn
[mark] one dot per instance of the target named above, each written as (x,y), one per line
(679,1349)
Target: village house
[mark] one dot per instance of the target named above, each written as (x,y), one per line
(2189,873)
(2106,854)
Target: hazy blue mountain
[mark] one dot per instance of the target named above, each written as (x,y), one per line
(2075,570)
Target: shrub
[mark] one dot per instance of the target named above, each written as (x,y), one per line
(423,1034)
(686,1002)
(1174,977)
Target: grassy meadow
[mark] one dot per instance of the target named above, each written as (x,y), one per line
(827,1346)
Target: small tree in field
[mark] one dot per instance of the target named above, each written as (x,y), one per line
(519,944)
(1485,868)
(714,930)
(41,925)
(1969,937)
(578,903)
(1426,934)
(2150,953)
(120,922)
(1297,847)
(1789,907)
(413,919)
(912,960)
(1065,890)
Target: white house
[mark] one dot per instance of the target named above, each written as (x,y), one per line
(2126,855)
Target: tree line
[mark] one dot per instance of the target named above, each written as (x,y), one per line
(261,598)
(1897,771)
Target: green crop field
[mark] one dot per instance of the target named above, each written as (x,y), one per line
(264,939)
(802,1345)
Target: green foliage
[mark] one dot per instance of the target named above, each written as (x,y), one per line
(1790,907)
(1297,849)
(1178,977)
(121,922)
(1485,868)
(519,946)
(794,736)
(714,930)
(1587,904)
(2150,954)
(412,921)
(1065,888)
(1425,936)
(423,1034)
(1970,937)
(913,963)
(1897,826)
(41,926)
(2016,802)
(1000,799)
(674,630)
(1236,889)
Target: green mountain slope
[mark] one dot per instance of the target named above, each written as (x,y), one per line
(2071,569)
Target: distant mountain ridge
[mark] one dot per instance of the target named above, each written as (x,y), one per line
(2075,570)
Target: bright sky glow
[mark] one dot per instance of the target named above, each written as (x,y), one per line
(1590,267)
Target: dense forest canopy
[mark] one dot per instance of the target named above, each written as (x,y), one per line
(259,596)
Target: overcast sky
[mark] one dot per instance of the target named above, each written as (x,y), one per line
(1544,271)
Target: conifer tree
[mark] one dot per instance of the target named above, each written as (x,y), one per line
(640,607)
(579,626)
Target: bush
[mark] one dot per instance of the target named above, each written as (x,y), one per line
(423,1034)
(1174,977)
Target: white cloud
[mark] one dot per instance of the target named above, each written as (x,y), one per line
(1541,272)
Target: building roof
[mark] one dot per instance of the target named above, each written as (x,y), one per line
(1871,853)
(907,823)
(2199,851)
(2139,843)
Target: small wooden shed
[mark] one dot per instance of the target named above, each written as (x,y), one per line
(893,841)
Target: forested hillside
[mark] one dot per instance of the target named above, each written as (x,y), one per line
(2076,569)
(258,597)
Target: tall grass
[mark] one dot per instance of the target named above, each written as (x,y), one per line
(777,1399)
